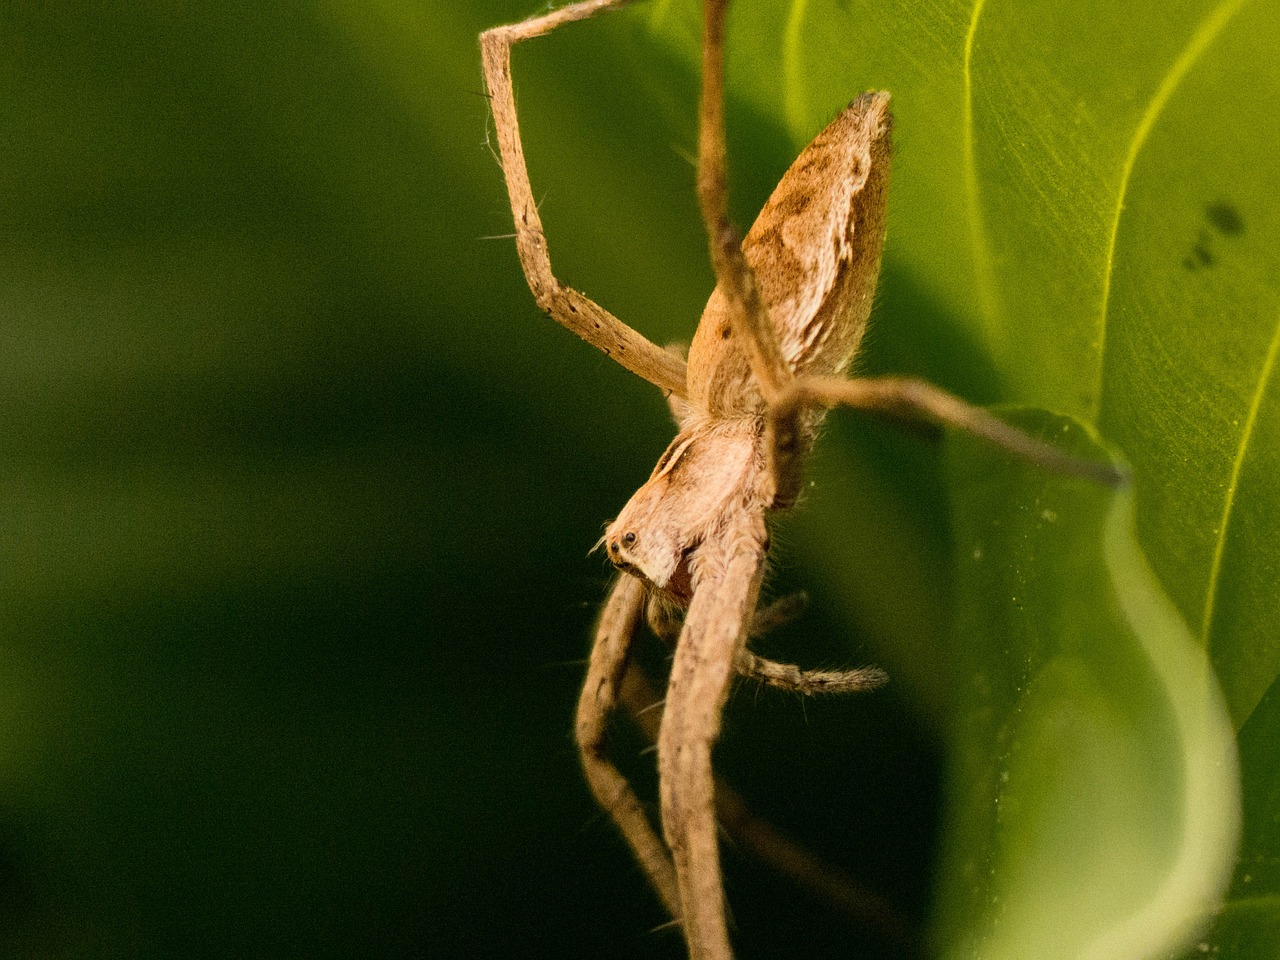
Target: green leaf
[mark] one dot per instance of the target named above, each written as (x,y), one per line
(1193,328)
(1249,925)
(1095,792)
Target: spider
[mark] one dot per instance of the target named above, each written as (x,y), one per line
(786,317)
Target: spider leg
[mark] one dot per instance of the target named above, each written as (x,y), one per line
(727,586)
(787,676)
(784,676)
(665,622)
(765,842)
(618,620)
(779,613)
(566,306)
(748,315)
(913,399)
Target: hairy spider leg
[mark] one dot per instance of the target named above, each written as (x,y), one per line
(609,655)
(564,304)
(914,399)
(714,631)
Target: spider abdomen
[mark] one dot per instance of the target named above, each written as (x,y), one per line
(815,251)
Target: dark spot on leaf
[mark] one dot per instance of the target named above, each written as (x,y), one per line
(1203,255)
(1225,218)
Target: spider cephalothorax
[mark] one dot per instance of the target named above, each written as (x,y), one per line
(710,477)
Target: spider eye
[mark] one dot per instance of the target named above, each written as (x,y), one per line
(629,538)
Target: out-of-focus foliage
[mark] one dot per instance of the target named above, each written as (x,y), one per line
(1095,807)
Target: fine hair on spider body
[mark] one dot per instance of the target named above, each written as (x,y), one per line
(767,361)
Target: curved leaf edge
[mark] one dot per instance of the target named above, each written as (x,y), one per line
(1190,892)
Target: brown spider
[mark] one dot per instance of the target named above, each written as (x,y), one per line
(782,325)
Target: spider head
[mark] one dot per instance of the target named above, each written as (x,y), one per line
(706,477)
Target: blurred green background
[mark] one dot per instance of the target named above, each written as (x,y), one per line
(298,488)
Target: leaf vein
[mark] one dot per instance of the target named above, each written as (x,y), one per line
(988,298)
(793,93)
(1237,467)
